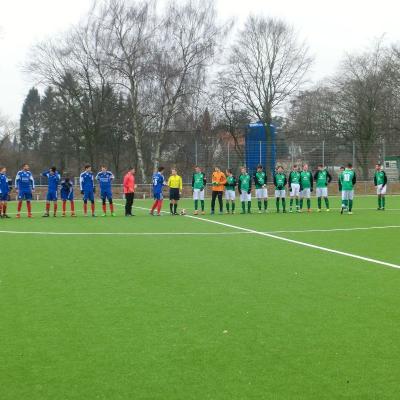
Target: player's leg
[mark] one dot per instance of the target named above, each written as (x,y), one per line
(301,196)
(308,195)
(111,204)
(243,203)
(265,197)
(72,205)
(5,203)
(220,202)
(103,203)
(259,199)
(277,197)
(292,196)
(383,197)
(196,200)
(283,197)
(213,199)
(351,198)
(159,204)
(345,200)
(248,197)
(1,207)
(64,206)
(92,204)
(47,206)
(227,201)
(201,195)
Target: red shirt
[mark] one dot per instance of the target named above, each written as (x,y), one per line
(129,183)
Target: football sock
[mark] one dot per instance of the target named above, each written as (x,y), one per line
(265,204)
(55,207)
(1,208)
(301,204)
(175,208)
(345,203)
(154,206)
(64,206)
(112,207)
(259,204)
(327,202)
(72,206)
(227,206)
(29,207)
(47,207)
(92,207)
(104,207)
(277,204)
(284,204)
(85,208)
(196,204)
(4,208)
(291,202)
(243,206)
(249,206)
(202,205)
(233,207)
(383,202)
(308,203)
(297,203)
(159,206)
(350,205)
(170,207)
(379,202)
(319,201)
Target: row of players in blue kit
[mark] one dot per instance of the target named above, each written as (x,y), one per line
(25,186)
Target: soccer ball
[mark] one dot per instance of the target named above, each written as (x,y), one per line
(183,211)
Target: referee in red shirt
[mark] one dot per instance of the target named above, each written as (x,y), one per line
(129,191)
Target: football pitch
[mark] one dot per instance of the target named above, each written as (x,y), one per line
(270,306)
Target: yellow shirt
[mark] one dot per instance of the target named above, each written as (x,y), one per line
(175,182)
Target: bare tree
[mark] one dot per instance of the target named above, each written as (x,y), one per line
(266,66)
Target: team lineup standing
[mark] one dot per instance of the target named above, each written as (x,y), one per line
(299,182)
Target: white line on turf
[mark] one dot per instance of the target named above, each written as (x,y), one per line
(297,242)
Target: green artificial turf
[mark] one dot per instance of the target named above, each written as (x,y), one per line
(203,315)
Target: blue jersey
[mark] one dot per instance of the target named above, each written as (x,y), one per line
(24,181)
(86,181)
(53,180)
(158,183)
(105,180)
(67,190)
(4,188)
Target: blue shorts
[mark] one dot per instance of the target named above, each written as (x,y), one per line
(51,196)
(158,196)
(106,196)
(88,196)
(3,196)
(25,196)
(67,196)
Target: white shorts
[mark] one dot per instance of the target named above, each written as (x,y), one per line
(280,193)
(245,196)
(230,195)
(198,194)
(347,194)
(305,193)
(380,189)
(262,193)
(322,192)
(295,192)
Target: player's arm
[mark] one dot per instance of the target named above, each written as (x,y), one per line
(354,179)
(254,178)
(17,179)
(328,177)
(375,180)
(274,179)
(384,178)
(192,181)
(240,185)
(284,180)
(45,174)
(32,182)
(180,184)
(81,183)
(250,185)
(316,175)
(311,182)
(223,179)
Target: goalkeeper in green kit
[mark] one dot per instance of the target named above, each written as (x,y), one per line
(260,182)
(347,180)
(244,188)
(322,179)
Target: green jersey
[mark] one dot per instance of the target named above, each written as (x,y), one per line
(306,180)
(244,183)
(260,179)
(294,177)
(230,183)
(347,179)
(322,178)
(198,181)
(380,178)
(280,181)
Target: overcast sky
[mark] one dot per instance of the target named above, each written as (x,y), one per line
(331,28)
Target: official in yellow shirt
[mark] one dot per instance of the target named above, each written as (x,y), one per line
(175,190)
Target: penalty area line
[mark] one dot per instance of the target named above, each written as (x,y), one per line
(297,242)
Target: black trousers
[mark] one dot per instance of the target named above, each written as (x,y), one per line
(214,196)
(128,203)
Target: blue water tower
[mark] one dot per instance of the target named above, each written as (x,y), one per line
(261,147)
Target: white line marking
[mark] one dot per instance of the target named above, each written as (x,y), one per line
(366,228)
(313,246)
